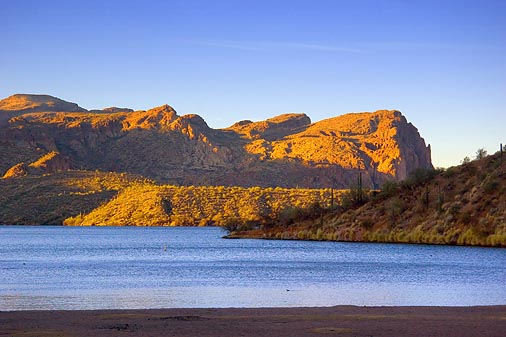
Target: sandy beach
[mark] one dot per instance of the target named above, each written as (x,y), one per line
(338,321)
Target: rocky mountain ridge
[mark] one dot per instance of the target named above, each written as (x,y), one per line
(287,150)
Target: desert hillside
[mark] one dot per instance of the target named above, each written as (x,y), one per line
(284,151)
(462,205)
(84,198)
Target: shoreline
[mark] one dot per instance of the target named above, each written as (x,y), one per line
(254,235)
(296,321)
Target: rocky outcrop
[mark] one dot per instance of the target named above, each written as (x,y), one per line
(272,128)
(413,151)
(24,103)
(381,145)
(49,163)
(112,110)
(286,151)
(17,170)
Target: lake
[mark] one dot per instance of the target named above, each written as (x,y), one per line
(167,267)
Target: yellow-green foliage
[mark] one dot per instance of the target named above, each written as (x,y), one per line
(146,204)
(49,199)
(139,204)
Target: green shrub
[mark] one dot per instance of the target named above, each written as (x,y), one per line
(388,190)
(481,153)
(319,234)
(465,217)
(449,172)
(419,177)
(490,185)
(367,222)
(302,234)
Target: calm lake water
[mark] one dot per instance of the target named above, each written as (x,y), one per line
(139,267)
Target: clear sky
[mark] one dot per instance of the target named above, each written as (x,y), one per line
(442,63)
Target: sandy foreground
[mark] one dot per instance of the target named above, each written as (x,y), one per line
(337,321)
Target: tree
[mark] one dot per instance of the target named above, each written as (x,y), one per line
(481,153)
(466,160)
(167,205)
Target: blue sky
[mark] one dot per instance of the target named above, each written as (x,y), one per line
(442,63)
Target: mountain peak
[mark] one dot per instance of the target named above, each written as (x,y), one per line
(37,103)
(115,109)
(272,128)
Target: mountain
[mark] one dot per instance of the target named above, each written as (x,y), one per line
(23,103)
(285,151)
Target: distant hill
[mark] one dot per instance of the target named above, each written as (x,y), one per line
(85,198)
(232,207)
(462,205)
(286,151)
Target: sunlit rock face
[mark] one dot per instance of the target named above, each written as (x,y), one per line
(23,103)
(50,163)
(287,150)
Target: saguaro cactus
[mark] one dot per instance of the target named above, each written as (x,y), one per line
(501,149)
(359,189)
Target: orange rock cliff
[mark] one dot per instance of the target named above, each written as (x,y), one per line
(287,150)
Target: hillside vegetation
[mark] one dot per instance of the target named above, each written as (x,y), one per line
(147,204)
(83,198)
(463,205)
